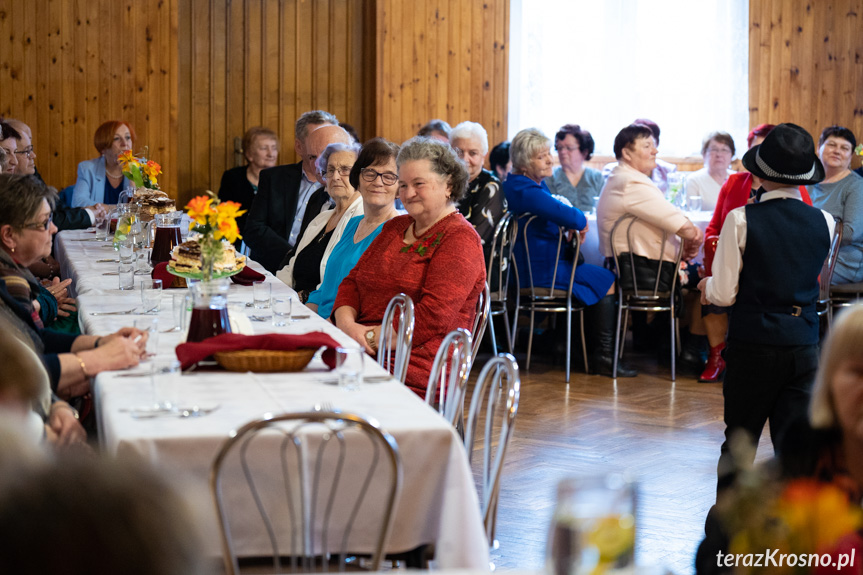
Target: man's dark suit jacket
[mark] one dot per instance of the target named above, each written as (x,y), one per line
(274,209)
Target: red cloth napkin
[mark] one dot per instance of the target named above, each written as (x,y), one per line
(191,353)
(247,277)
(169,280)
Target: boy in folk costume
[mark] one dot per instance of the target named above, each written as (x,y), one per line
(767,263)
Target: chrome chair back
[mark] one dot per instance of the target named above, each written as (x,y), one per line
(498,275)
(825,278)
(644,298)
(480,321)
(548,299)
(450,371)
(324,464)
(496,395)
(394,349)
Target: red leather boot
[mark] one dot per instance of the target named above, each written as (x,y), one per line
(715,367)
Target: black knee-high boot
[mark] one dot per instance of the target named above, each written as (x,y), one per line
(602,322)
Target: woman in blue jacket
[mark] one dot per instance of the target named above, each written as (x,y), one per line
(526,192)
(100,181)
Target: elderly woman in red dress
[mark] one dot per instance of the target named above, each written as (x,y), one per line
(431,254)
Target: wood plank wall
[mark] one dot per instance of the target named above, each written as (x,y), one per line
(442,59)
(806,63)
(67,66)
(264,62)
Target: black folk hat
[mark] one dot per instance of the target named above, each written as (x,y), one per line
(787,156)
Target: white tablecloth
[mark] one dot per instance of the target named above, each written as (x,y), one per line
(438,502)
(590,247)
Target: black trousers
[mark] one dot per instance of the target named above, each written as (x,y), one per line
(762,383)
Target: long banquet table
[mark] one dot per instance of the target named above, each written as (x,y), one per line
(438,502)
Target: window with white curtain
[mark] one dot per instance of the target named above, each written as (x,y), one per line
(602,63)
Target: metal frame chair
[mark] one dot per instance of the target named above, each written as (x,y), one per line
(824,305)
(549,299)
(486,393)
(499,267)
(643,300)
(272,438)
(480,321)
(395,358)
(451,369)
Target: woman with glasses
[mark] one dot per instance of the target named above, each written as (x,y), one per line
(9,144)
(717,150)
(432,254)
(101,181)
(26,233)
(374,175)
(307,266)
(841,194)
(572,179)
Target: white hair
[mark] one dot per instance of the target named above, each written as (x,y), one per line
(470,130)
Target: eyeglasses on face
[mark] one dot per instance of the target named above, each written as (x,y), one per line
(344,171)
(41,226)
(25,152)
(559,147)
(370,175)
(719,150)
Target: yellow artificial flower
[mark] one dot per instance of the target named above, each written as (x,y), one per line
(200,210)
(227,229)
(127,158)
(228,210)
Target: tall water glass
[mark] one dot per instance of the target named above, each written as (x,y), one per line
(165,378)
(349,367)
(126,271)
(151,295)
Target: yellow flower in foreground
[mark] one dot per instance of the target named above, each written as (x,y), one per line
(228,210)
(127,158)
(227,229)
(199,209)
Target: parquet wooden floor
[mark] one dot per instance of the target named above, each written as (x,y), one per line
(668,434)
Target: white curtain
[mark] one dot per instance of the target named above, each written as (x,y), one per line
(602,63)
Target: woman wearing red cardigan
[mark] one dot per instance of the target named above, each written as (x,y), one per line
(432,254)
(735,192)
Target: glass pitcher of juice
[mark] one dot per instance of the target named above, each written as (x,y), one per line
(167,235)
(209,310)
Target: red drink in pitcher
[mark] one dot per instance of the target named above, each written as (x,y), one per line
(208,322)
(163,245)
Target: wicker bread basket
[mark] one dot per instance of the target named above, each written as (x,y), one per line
(261,360)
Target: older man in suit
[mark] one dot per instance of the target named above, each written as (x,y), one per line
(275,220)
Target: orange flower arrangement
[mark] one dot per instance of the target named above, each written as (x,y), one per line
(141,171)
(215,221)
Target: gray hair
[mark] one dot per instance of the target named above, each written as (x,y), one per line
(435,126)
(443,159)
(21,199)
(470,130)
(526,144)
(324,159)
(301,130)
(842,343)
(4,159)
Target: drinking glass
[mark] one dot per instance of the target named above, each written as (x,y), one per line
(126,271)
(262,292)
(151,295)
(165,378)
(182,305)
(142,262)
(593,526)
(281,309)
(127,251)
(349,367)
(694,203)
(151,326)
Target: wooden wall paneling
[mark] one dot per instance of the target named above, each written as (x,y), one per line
(221,140)
(201,111)
(320,69)
(756,50)
(288,79)
(184,99)
(848,31)
(305,75)
(271,78)
(337,52)
(384,48)
(235,85)
(254,63)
